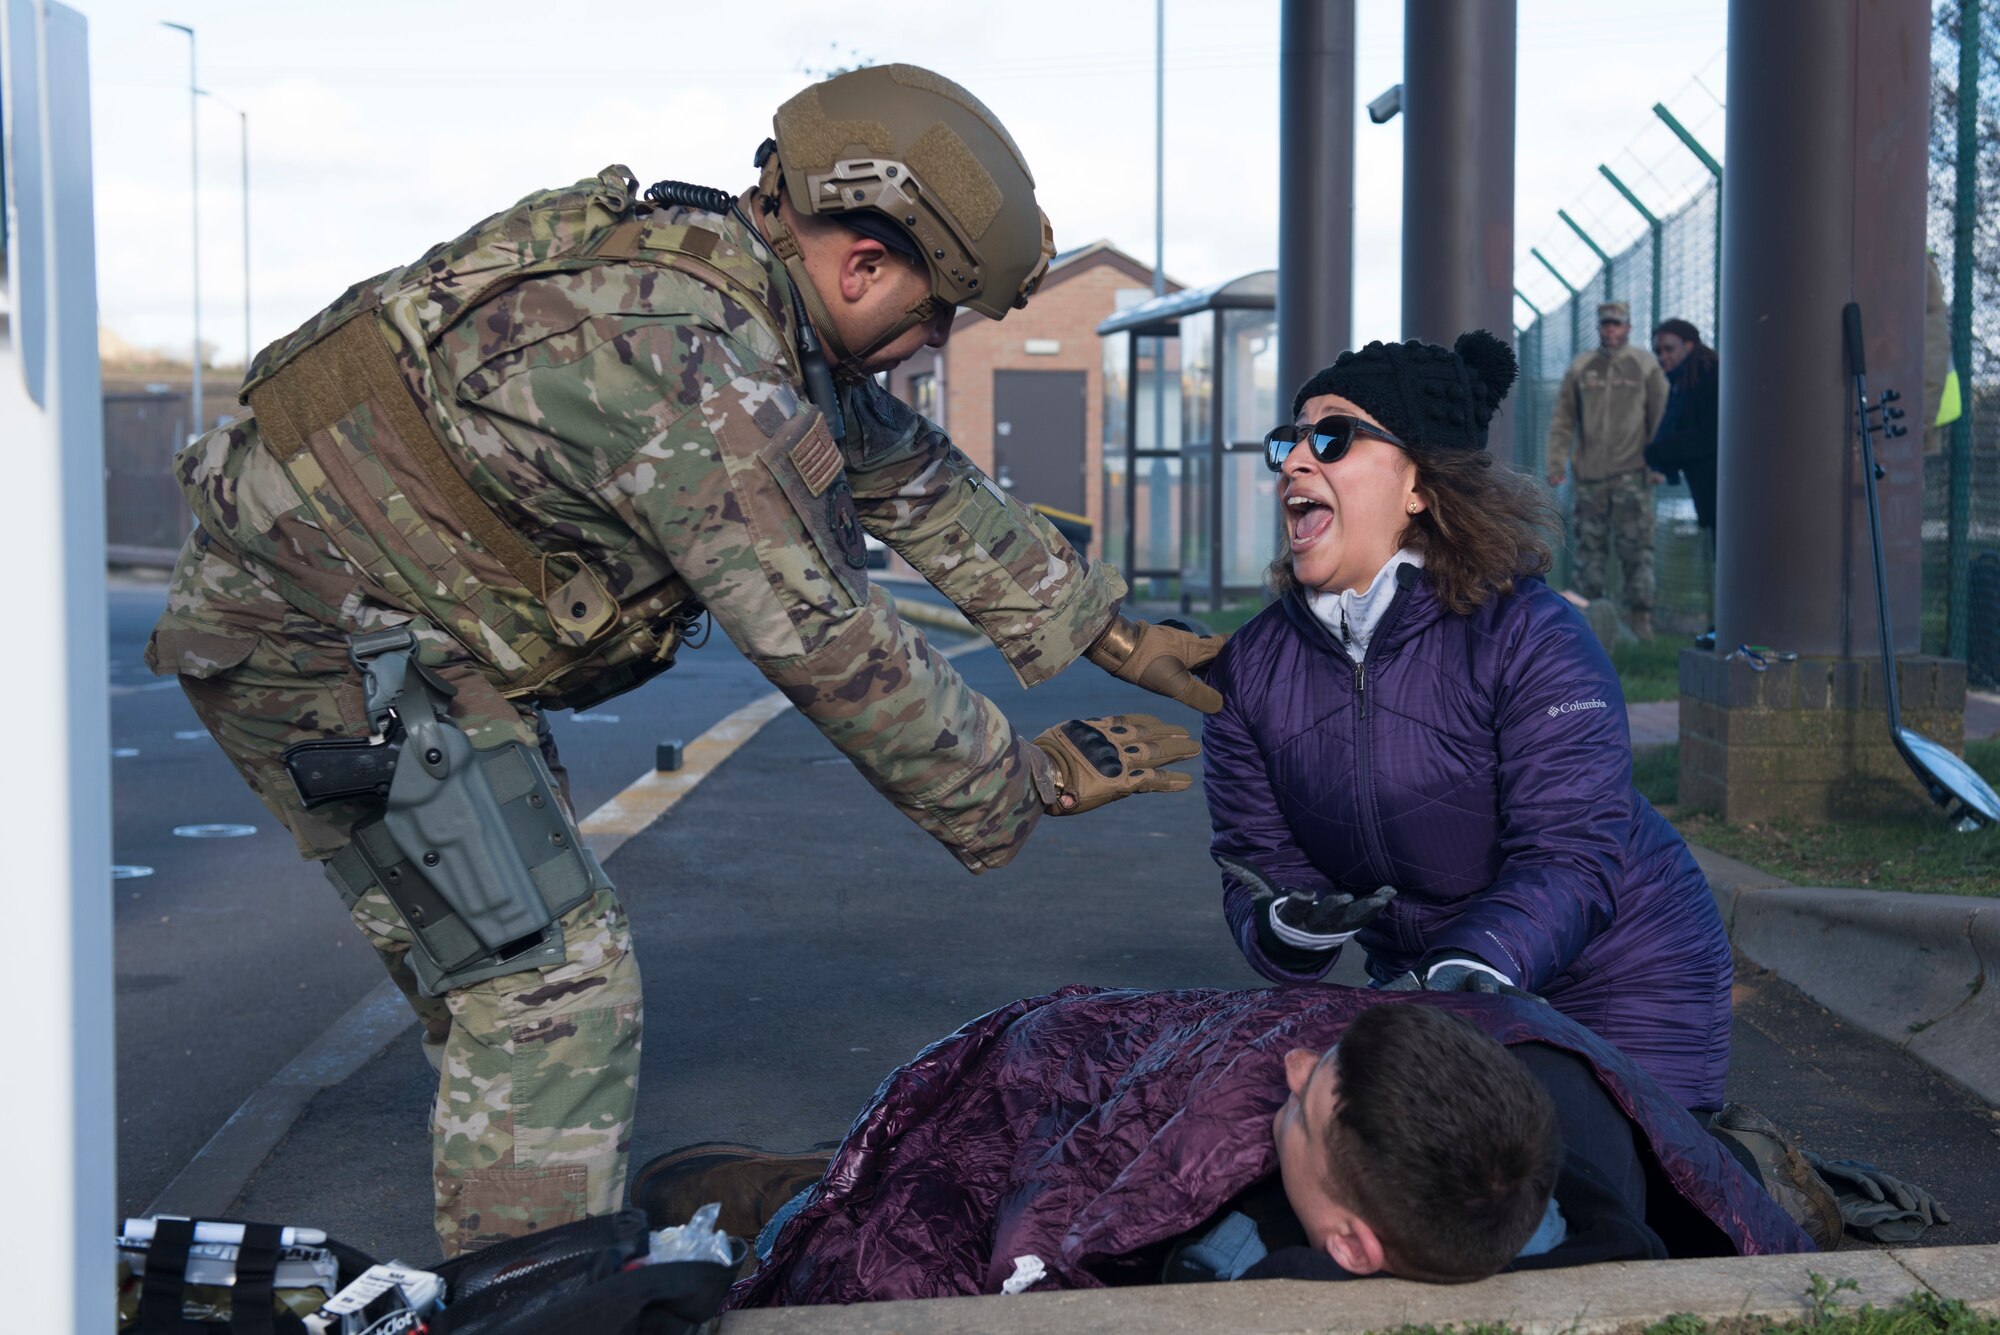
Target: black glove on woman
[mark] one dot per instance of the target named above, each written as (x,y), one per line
(1296,932)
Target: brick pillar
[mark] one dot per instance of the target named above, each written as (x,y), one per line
(1807,739)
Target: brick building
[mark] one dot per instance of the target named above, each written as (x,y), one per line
(1024,397)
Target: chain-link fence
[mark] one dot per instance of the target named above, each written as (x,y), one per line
(1660,202)
(1961,610)
(1646,234)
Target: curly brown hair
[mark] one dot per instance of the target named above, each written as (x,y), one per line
(1482,527)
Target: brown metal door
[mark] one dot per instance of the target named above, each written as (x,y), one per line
(1038,422)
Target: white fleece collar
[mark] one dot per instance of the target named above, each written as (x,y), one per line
(1353,616)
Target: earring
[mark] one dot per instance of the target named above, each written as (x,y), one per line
(1413,507)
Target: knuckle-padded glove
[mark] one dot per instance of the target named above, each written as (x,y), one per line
(1162,658)
(1098,760)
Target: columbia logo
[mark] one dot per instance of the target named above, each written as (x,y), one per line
(1576,707)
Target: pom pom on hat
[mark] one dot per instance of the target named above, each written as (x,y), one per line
(1430,397)
(1493,366)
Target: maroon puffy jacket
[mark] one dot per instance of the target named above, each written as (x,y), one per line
(1086,1124)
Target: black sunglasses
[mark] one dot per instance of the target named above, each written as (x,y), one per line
(1331,439)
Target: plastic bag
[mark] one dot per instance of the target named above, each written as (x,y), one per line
(696,1240)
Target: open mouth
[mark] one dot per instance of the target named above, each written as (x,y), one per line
(1309,518)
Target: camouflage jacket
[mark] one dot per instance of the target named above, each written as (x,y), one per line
(619,386)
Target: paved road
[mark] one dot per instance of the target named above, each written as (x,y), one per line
(800,938)
(233,954)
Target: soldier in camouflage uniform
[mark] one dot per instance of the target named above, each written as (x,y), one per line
(539,452)
(1609,406)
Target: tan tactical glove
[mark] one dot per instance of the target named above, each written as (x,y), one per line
(1099,760)
(1162,658)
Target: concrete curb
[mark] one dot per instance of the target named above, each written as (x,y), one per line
(1909,968)
(1587,1300)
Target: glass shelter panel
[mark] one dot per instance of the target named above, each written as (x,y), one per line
(1157,416)
(1197,534)
(1156,523)
(1197,378)
(1250,531)
(1117,462)
(1249,367)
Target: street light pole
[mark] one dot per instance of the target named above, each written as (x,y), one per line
(194,170)
(243,122)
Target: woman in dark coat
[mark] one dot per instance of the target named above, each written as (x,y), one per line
(1419,711)
(1685,444)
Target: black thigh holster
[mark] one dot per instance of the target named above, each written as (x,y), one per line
(474,848)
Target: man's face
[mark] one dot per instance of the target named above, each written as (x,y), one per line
(907,285)
(868,289)
(1612,332)
(1299,1130)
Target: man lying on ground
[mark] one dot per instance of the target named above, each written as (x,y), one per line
(1098,1137)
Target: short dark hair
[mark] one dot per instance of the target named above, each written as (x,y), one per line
(1441,1140)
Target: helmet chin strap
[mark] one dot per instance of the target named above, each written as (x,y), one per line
(849,367)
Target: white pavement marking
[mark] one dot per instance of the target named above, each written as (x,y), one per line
(219,1171)
(655,793)
(169,684)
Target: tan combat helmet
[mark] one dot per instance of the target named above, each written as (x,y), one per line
(901,144)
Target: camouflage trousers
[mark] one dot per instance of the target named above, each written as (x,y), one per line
(538,1070)
(1615,510)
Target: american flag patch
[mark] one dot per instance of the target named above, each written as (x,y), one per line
(817,458)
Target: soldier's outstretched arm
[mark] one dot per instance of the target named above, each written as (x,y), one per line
(707,452)
(1039,600)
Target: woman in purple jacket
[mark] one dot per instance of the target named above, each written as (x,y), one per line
(1424,748)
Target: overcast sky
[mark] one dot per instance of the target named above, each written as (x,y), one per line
(378,127)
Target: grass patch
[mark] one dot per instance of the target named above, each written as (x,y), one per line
(1650,669)
(1921,1313)
(1656,773)
(1905,845)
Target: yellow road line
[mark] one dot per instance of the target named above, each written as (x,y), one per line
(656,792)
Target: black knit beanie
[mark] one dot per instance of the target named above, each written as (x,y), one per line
(1430,397)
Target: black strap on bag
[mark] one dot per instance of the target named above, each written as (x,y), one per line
(251,1298)
(165,1279)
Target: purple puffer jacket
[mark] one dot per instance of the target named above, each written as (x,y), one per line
(1482,765)
(1084,1125)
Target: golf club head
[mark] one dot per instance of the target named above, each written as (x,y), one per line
(1949,778)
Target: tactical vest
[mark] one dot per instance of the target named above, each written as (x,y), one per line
(353,406)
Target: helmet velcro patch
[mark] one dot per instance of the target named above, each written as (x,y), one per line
(951,173)
(812,141)
(915,76)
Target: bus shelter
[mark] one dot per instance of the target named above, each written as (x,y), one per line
(1190,389)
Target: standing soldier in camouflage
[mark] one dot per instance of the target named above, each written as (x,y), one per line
(511,477)
(1607,410)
